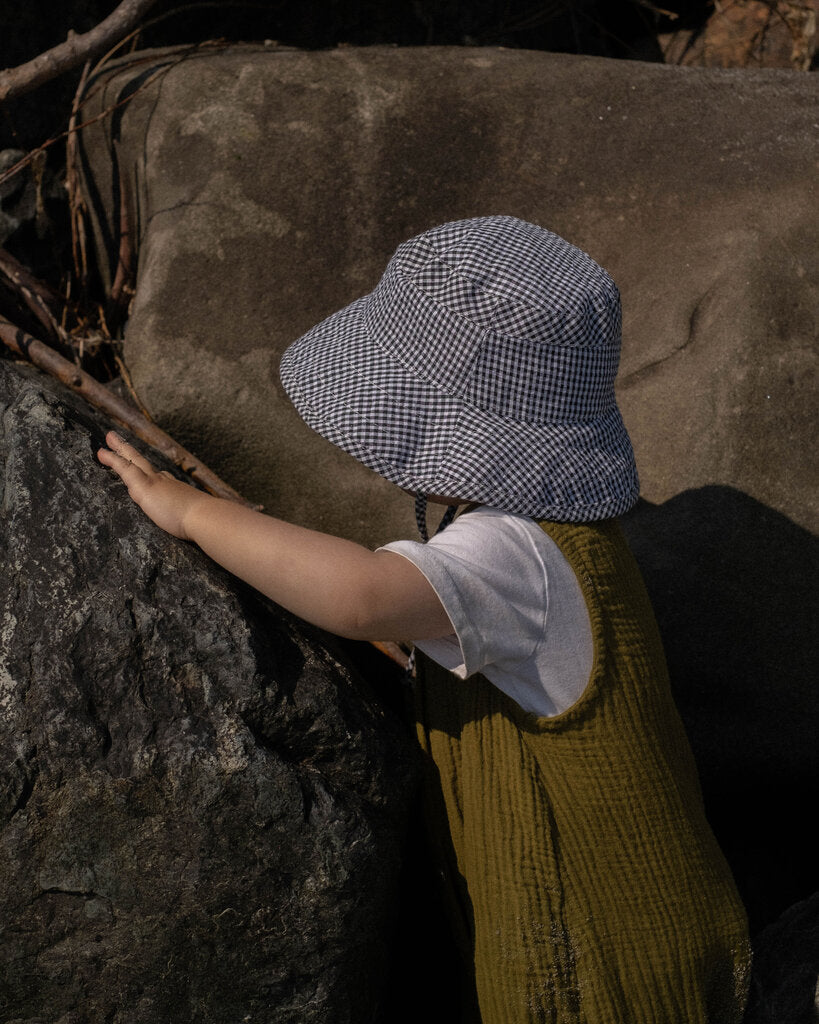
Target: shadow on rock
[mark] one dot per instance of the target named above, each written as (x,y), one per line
(734,589)
(786,965)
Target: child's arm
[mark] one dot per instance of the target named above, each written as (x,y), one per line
(333,583)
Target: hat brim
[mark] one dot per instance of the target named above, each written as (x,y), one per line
(421,438)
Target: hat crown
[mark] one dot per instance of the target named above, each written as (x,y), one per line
(482,365)
(506,316)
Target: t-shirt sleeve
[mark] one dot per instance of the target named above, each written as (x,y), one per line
(491,579)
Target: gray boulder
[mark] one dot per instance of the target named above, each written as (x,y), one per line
(201,808)
(250,192)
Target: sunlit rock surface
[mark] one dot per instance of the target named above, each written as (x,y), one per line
(254,190)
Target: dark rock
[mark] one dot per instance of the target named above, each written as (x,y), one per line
(24,197)
(786,965)
(17,197)
(200,809)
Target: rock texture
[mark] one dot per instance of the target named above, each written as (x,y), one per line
(264,188)
(201,810)
(786,966)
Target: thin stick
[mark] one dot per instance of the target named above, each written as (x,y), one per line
(120,411)
(74,51)
(183,51)
(76,203)
(391,651)
(40,299)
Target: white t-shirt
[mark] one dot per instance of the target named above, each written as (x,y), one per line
(516,606)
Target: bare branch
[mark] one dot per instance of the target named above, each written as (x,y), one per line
(119,410)
(32,155)
(74,51)
(392,651)
(43,302)
(127,416)
(76,202)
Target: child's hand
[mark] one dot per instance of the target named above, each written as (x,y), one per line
(161,497)
(333,583)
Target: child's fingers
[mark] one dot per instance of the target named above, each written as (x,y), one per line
(129,473)
(126,451)
(134,470)
(161,497)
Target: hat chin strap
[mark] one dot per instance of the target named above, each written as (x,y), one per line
(421,520)
(421,516)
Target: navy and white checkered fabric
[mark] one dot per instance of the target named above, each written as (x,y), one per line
(482,366)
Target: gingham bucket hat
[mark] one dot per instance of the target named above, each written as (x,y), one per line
(481,366)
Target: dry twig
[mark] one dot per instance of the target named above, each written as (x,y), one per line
(127,416)
(74,51)
(43,301)
(393,652)
(120,411)
(76,201)
(32,155)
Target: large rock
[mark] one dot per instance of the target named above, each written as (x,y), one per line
(201,810)
(263,188)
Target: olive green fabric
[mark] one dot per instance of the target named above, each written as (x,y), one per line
(586,884)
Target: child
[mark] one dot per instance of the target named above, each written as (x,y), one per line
(584,882)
